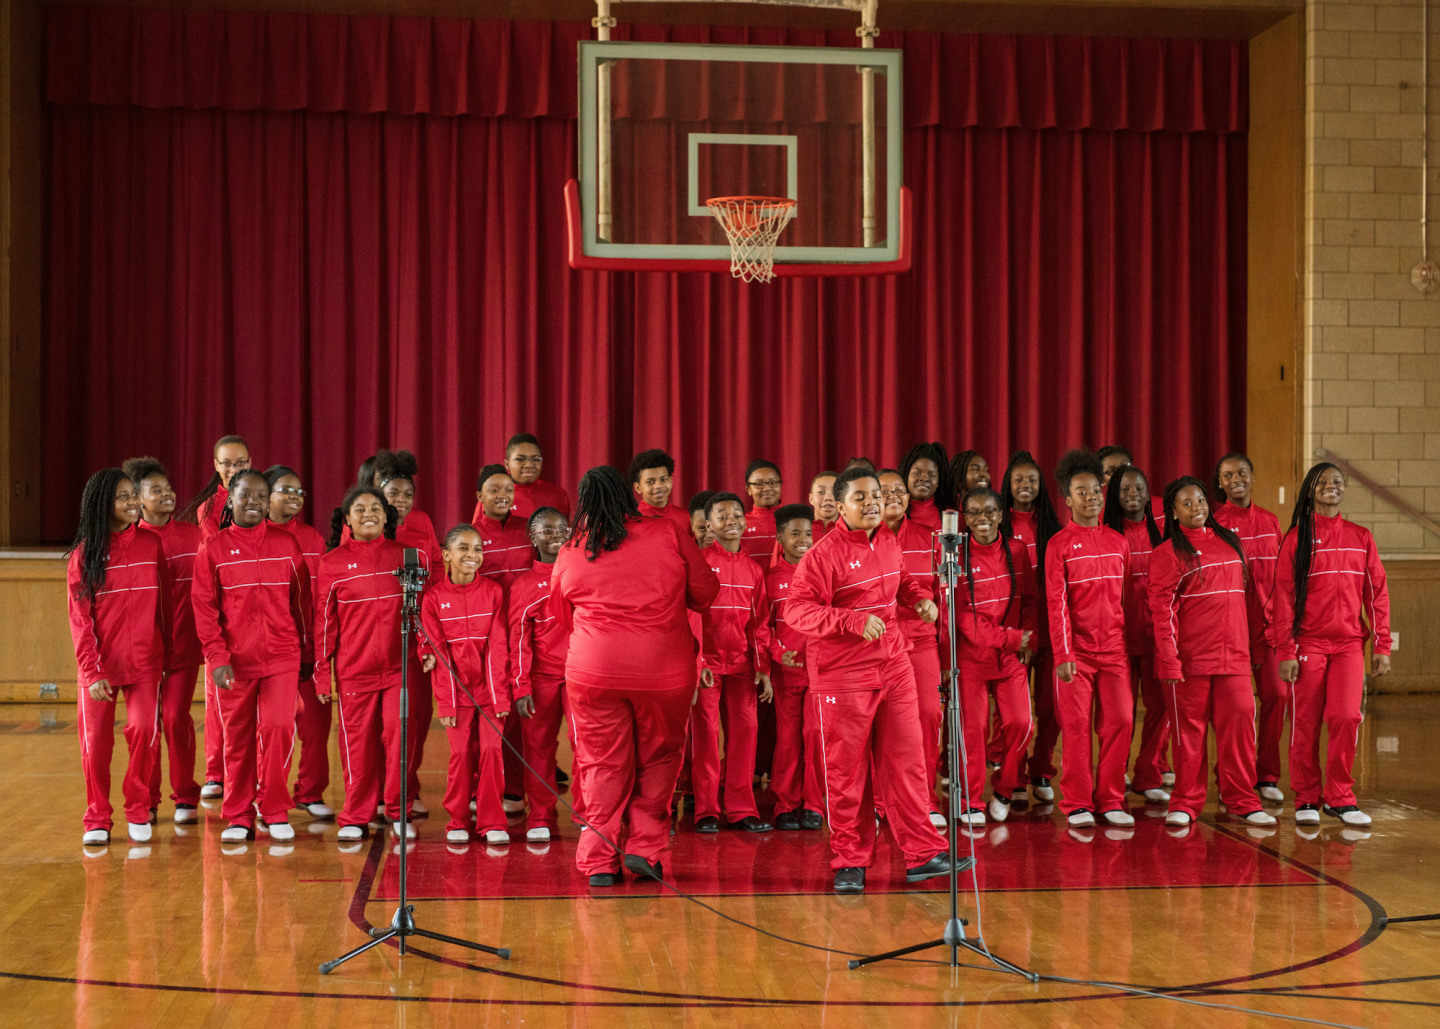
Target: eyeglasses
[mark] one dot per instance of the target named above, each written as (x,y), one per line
(894,493)
(525,459)
(764,483)
(244,462)
(552,534)
(291,491)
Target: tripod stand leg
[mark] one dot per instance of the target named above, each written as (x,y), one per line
(329,966)
(500,952)
(927,945)
(1001,962)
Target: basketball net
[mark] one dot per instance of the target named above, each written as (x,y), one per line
(753,225)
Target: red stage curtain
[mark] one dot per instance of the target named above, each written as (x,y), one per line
(251,229)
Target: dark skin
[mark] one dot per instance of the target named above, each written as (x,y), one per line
(1190,509)
(1113,464)
(796,537)
(157,500)
(124,512)
(654,486)
(366,519)
(822,499)
(1134,495)
(982,518)
(1237,479)
(523,461)
(497,497)
(924,479)
(287,499)
(701,529)
(861,507)
(463,557)
(764,487)
(896,500)
(1086,500)
(1024,487)
(727,518)
(401,495)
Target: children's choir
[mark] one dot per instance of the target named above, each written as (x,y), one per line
(654,632)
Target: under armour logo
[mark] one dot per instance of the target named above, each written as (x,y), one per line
(830,700)
(752,528)
(444,606)
(854,564)
(487,542)
(353,566)
(1076,546)
(784,585)
(234,552)
(715,570)
(542,584)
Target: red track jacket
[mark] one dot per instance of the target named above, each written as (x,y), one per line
(538,642)
(778,576)
(1259,533)
(422,538)
(508,550)
(990,631)
(626,610)
(252,601)
(529,499)
(677,515)
(843,579)
(312,548)
(180,542)
(759,538)
(737,624)
(121,633)
(1087,591)
(1139,630)
(819,530)
(357,616)
(924,513)
(465,628)
(1346,579)
(918,548)
(209,515)
(1200,609)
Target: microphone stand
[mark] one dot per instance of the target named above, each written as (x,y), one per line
(402,926)
(953,936)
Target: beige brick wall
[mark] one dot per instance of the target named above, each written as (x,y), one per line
(1372,340)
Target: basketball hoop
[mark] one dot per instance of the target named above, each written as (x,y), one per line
(753,225)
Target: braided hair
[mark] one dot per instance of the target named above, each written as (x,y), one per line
(1047,523)
(337,520)
(92,535)
(227,516)
(1184,549)
(945,483)
(959,467)
(1302,524)
(986,493)
(191,511)
(603,504)
(1114,515)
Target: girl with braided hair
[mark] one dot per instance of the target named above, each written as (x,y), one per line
(926,471)
(1330,596)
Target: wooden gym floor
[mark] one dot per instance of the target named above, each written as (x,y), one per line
(183,932)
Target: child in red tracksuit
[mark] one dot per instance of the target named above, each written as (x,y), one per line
(1200,594)
(795,778)
(1128,511)
(1328,577)
(652,477)
(1087,591)
(357,631)
(312,720)
(118,589)
(737,653)
(762,483)
(252,613)
(1259,533)
(180,541)
(463,616)
(538,644)
(926,471)
(996,623)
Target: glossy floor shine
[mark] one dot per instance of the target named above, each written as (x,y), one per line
(186,932)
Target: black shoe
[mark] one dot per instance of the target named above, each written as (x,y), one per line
(642,869)
(561,777)
(787,821)
(707,824)
(850,880)
(811,819)
(751,824)
(605,879)
(937,866)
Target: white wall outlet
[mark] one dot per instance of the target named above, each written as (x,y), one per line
(1394,640)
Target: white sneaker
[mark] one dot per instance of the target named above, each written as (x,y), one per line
(95,838)
(319,810)
(999,808)
(234,834)
(1157,796)
(351,832)
(409,830)
(1045,792)
(937,819)
(417,807)
(211,790)
(458,836)
(1177,818)
(140,832)
(973,816)
(512,806)
(1118,817)
(497,836)
(1351,815)
(1269,791)
(1307,815)
(1081,818)
(539,834)
(1260,818)
(185,814)
(280,831)
(1167,778)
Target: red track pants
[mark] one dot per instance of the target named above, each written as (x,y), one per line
(883,724)
(1047,723)
(369,731)
(1150,762)
(630,744)
(214,735)
(422,712)
(541,733)
(925,663)
(1330,690)
(1228,703)
(476,770)
(177,693)
(95,720)
(795,773)
(1012,701)
(312,726)
(257,721)
(514,770)
(1099,694)
(724,784)
(1274,708)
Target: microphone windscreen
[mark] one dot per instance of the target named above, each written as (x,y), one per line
(950,522)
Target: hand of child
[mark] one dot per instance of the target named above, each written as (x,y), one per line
(874,628)
(224,676)
(767,692)
(927,611)
(1289,671)
(525,707)
(791,659)
(1380,665)
(100,690)
(1065,672)
(427,663)
(707,678)
(449,723)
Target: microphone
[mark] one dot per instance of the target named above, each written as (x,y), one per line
(412,558)
(950,522)
(411,572)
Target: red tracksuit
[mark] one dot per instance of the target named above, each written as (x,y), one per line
(1199,608)
(508,553)
(819,530)
(312,721)
(677,515)
(357,627)
(529,498)
(1047,725)
(538,644)
(252,612)
(1346,581)
(863,693)
(120,634)
(208,520)
(208,516)
(1259,533)
(759,539)
(1150,763)
(987,656)
(917,546)
(179,541)
(1087,591)
(630,670)
(795,771)
(465,629)
(419,534)
(924,513)
(736,646)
